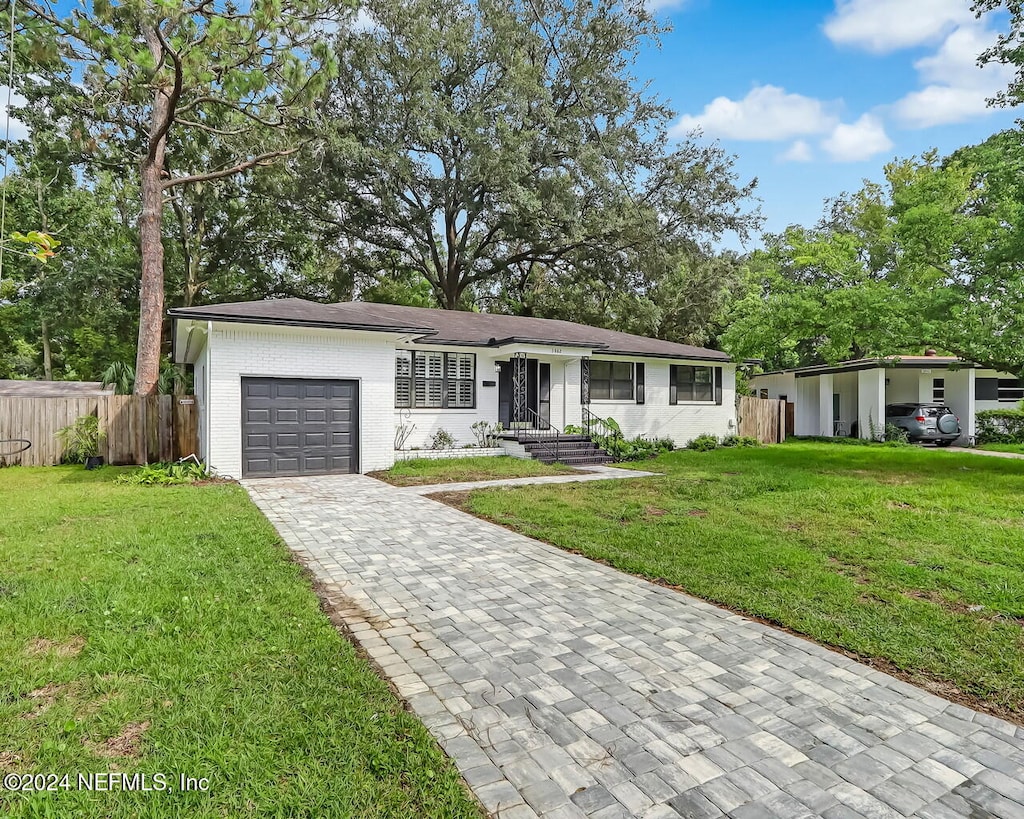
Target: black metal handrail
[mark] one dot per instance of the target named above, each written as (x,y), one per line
(542,433)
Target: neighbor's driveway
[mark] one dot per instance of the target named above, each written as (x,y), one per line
(562,687)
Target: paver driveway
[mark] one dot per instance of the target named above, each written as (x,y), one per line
(562,687)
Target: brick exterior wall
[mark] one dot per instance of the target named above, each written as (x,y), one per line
(237,350)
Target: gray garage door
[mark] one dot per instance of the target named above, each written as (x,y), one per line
(296,426)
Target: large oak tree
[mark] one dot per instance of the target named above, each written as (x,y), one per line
(482,143)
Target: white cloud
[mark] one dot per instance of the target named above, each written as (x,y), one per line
(19,130)
(957,89)
(767,113)
(799,151)
(662,5)
(888,25)
(857,142)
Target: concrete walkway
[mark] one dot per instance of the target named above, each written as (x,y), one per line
(989,453)
(563,688)
(583,473)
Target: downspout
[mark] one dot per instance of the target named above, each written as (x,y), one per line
(205,409)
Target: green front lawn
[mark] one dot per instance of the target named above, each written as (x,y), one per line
(910,556)
(165,630)
(420,471)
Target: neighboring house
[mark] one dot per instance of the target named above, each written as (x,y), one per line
(289,386)
(53,389)
(849,398)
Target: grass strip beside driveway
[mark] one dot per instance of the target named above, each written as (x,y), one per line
(425,471)
(913,557)
(165,630)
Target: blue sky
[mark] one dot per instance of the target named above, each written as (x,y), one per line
(814,96)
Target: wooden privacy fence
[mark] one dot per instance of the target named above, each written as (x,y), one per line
(139,429)
(762,418)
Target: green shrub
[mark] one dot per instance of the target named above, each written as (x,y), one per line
(1002,426)
(703,443)
(165,474)
(739,441)
(442,439)
(81,439)
(896,436)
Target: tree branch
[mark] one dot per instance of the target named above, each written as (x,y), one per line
(263,159)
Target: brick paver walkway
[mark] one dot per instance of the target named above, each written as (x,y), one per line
(564,688)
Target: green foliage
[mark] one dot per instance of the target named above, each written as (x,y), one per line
(462,145)
(441,439)
(165,474)
(633,449)
(172,380)
(929,258)
(895,436)
(1003,426)
(486,433)
(739,441)
(81,440)
(703,443)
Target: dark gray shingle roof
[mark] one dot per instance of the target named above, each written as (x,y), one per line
(432,326)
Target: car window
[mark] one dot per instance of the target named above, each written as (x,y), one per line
(900,409)
(937,412)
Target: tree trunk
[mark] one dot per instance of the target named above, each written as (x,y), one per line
(151,289)
(47,358)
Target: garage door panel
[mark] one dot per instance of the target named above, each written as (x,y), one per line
(299,426)
(257,389)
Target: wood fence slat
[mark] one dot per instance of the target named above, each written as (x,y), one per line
(138,428)
(762,418)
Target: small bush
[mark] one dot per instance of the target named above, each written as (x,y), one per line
(896,436)
(703,443)
(81,439)
(1002,426)
(442,439)
(486,433)
(165,474)
(739,441)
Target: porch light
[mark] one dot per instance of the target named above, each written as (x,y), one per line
(497,366)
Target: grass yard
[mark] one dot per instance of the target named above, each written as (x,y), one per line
(165,630)
(421,471)
(911,556)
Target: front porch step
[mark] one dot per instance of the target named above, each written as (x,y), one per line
(573,450)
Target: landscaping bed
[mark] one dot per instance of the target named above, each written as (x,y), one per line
(420,471)
(891,554)
(165,630)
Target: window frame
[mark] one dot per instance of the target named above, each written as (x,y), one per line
(675,382)
(611,380)
(447,382)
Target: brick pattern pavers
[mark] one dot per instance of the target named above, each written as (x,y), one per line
(563,688)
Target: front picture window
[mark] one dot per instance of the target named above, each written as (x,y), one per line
(611,380)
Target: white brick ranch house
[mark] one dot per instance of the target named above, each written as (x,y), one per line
(292,387)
